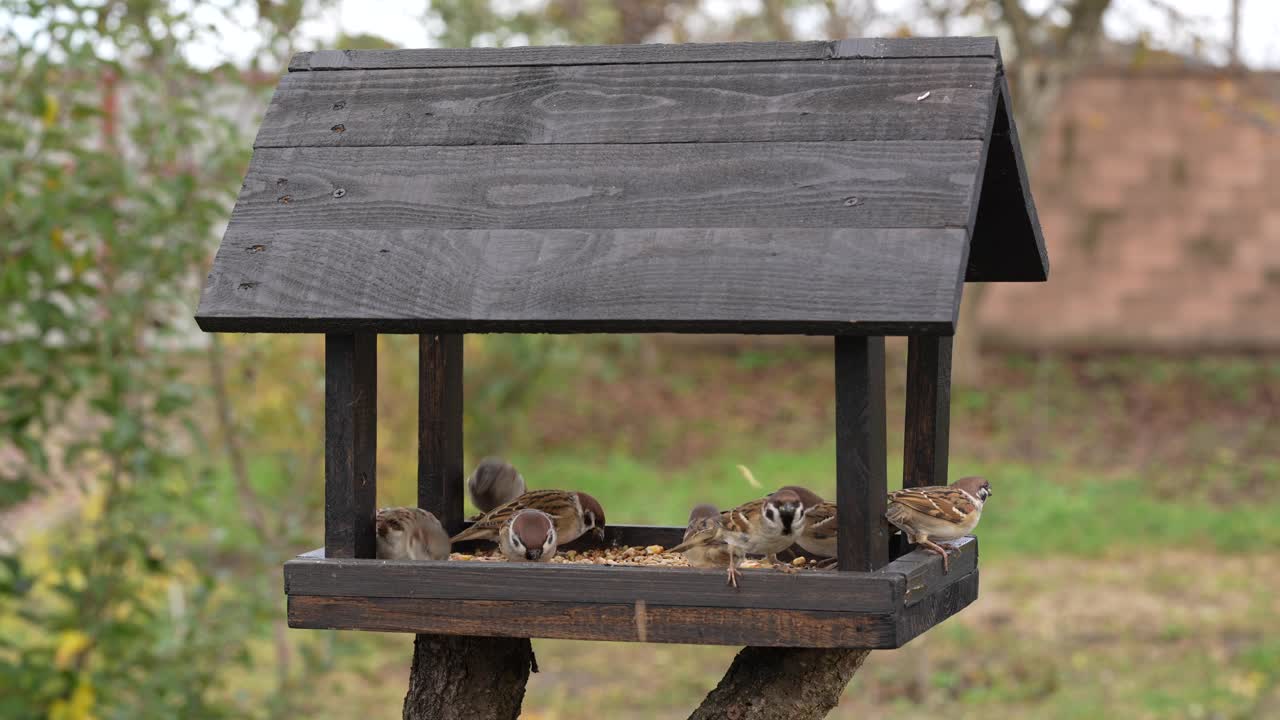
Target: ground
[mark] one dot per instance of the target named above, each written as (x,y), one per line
(1130,554)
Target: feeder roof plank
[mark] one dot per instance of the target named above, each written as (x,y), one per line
(815,187)
(878,48)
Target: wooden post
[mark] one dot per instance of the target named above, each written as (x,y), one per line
(928,424)
(440,428)
(861,457)
(350,441)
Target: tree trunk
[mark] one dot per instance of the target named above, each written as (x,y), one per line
(781,684)
(468,678)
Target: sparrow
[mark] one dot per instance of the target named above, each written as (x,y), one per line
(944,512)
(761,527)
(573,513)
(818,536)
(529,536)
(702,519)
(410,533)
(494,482)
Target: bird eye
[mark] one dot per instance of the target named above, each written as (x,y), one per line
(771,513)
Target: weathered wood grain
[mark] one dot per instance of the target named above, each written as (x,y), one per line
(690,102)
(857,184)
(928,415)
(461,580)
(861,454)
(922,571)
(1008,243)
(982,46)
(596,621)
(350,405)
(440,472)
(729,279)
(648,53)
(935,608)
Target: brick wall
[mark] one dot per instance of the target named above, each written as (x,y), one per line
(1159,193)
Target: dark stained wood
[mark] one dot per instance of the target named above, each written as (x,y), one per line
(350,404)
(462,580)
(691,102)
(922,571)
(440,471)
(928,415)
(861,480)
(649,53)
(734,280)
(1008,244)
(917,47)
(596,621)
(937,607)
(858,184)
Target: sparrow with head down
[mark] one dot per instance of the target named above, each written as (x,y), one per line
(410,533)
(572,513)
(529,536)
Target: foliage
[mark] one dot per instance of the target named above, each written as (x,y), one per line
(118,163)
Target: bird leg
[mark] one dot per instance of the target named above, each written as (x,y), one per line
(934,547)
(778,564)
(826,562)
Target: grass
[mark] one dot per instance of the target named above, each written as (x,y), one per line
(1034,510)
(1131,553)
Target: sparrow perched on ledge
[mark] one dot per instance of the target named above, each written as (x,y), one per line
(573,514)
(529,536)
(761,527)
(494,482)
(942,512)
(705,519)
(410,533)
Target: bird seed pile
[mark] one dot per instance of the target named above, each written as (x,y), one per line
(651,556)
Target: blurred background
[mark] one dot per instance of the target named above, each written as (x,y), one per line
(153,479)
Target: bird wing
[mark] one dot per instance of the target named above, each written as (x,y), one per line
(943,503)
(821,522)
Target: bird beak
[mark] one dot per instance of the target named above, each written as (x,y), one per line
(599,533)
(533,553)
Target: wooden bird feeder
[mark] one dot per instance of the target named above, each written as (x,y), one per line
(842,188)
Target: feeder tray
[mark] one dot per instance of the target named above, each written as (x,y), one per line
(843,188)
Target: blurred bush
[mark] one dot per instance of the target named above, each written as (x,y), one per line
(118,161)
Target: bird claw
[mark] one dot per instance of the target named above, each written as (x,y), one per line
(733,576)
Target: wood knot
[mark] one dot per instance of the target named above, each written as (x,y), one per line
(284,199)
(340,104)
(255,248)
(248,285)
(339,128)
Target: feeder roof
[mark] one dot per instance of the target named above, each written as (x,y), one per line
(846,187)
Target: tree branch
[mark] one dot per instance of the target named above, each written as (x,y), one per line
(781,684)
(468,678)
(1019,22)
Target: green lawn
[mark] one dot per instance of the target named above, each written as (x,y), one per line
(1130,554)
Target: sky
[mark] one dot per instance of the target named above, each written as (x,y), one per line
(403,22)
